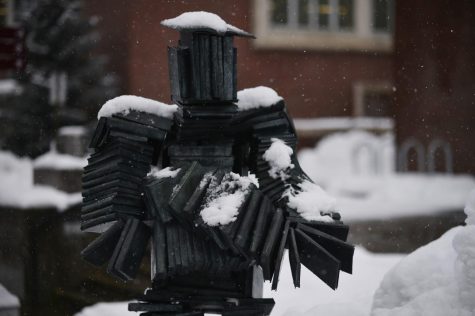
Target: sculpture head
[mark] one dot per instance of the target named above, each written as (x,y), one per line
(203,65)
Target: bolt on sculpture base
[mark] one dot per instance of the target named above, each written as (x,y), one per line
(229,195)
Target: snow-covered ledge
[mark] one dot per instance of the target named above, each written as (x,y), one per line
(314,127)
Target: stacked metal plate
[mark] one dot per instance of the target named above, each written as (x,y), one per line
(112,181)
(124,151)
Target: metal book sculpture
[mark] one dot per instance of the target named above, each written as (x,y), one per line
(213,182)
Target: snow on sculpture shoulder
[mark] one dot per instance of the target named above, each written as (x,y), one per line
(126,103)
(203,20)
(257,97)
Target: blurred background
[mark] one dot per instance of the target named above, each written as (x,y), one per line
(382,93)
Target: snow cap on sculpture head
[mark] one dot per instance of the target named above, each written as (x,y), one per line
(203,66)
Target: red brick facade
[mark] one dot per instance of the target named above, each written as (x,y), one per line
(432,65)
(314,83)
(435,75)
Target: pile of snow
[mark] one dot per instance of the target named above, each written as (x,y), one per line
(10,86)
(102,309)
(437,279)
(400,195)
(353,297)
(126,103)
(311,201)
(72,130)
(17,189)
(168,172)
(7,300)
(257,97)
(357,168)
(202,20)
(278,155)
(355,153)
(57,161)
(224,198)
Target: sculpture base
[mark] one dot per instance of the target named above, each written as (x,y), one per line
(159,304)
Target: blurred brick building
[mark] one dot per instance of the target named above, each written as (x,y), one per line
(407,65)
(327,58)
(434,72)
(410,61)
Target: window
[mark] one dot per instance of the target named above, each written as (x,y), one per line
(4,4)
(13,11)
(383,12)
(324,24)
(372,99)
(322,15)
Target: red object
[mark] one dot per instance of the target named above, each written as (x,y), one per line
(12,49)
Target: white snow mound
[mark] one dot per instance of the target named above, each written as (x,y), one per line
(437,279)
(257,97)
(7,299)
(200,19)
(113,308)
(17,188)
(54,160)
(126,103)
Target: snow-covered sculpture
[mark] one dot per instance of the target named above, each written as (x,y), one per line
(213,181)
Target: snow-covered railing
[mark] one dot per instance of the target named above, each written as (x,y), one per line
(434,146)
(403,155)
(426,160)
(322,126)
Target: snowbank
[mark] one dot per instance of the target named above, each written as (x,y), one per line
(354,153)
(72,130)
(400,195)
(10,86)
(437,279)
(17,189)
(7,300)
(57,161)
(353,297)
(103,309)
(202,20)
(257,97)
(126,103)
(357,168)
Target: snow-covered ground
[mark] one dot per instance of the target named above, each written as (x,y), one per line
(437,280)
(54,160)
(17,189)
(353,297)
(8,301)
(357,168)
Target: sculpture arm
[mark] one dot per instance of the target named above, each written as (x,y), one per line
(124,148)
(303,214)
